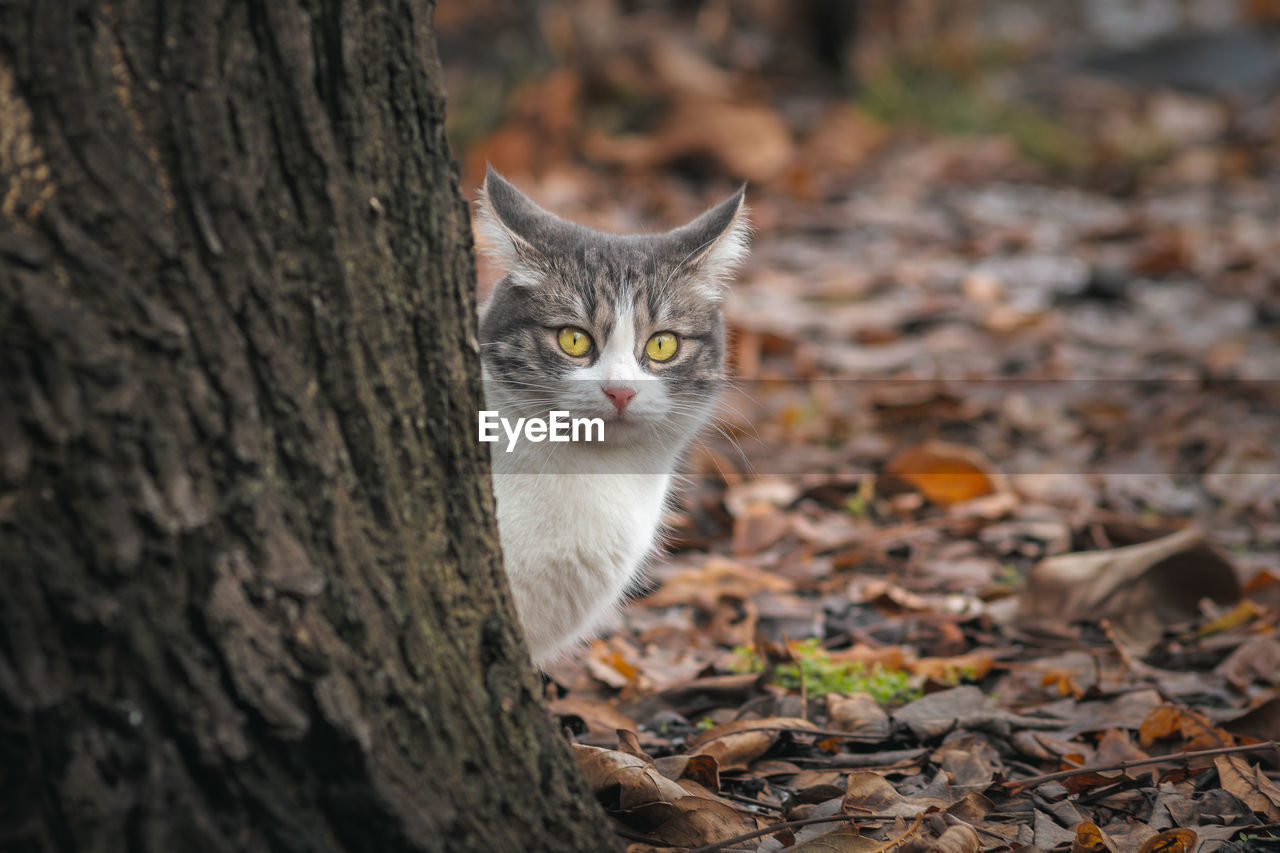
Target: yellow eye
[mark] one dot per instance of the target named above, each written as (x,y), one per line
(574,341)
(662,346)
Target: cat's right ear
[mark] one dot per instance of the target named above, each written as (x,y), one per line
(514,227)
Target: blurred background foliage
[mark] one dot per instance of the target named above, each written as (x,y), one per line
(795,95)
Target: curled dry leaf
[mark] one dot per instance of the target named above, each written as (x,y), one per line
(695,696)
(1257,660)
(1091,781)
(735,745)
(871,793)
(1116,746)
(629,743)
(608,662)
(636,780)
(702,769)
(1140,588)
(669,812)
(601,719)
(956,839)
(859,714)
(846,839)
(1195,729)
(759,526)
(1171,841)
(772,490)
(964,707)
(1250,784)
(705,770)
(1089,839)
(972,808)
(689,821)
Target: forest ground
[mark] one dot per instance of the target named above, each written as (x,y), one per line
(994,494)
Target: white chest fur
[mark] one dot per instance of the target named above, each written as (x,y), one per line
(573,544)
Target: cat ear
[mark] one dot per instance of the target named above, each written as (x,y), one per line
(714,244)
(514,227)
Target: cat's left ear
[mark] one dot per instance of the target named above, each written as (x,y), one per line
(515,227)
(714,244)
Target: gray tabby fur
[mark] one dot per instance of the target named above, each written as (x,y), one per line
(578,521)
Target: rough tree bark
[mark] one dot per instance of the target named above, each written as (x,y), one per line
(251,593)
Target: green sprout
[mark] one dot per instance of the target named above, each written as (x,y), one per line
(1008,576)
(815,672)
(859,504)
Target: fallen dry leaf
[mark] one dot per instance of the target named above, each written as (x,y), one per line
(871,793)
(956,839)
(859,714)
(718,577)
(1194,727)
(1089,839)
(1262,722)
(601,719)
(735,745)
(636,780)
(746,140)
(757,527)
(1250,784)
(670,812)
(688,821)
(1140,588)
(972,666)
(945,473)
(1255,660)
(1171,841)
(846,839)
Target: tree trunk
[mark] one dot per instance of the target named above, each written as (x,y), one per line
(251,588)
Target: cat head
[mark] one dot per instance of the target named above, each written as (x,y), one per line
(627,328)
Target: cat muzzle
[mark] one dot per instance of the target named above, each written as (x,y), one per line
(620,396)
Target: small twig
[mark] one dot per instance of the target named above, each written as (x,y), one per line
(730,795)
(1019,785)
(801,730)
(796,824)
(865,760)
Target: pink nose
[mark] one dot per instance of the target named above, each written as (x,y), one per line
(620,395)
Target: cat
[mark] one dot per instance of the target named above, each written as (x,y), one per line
(624,328)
